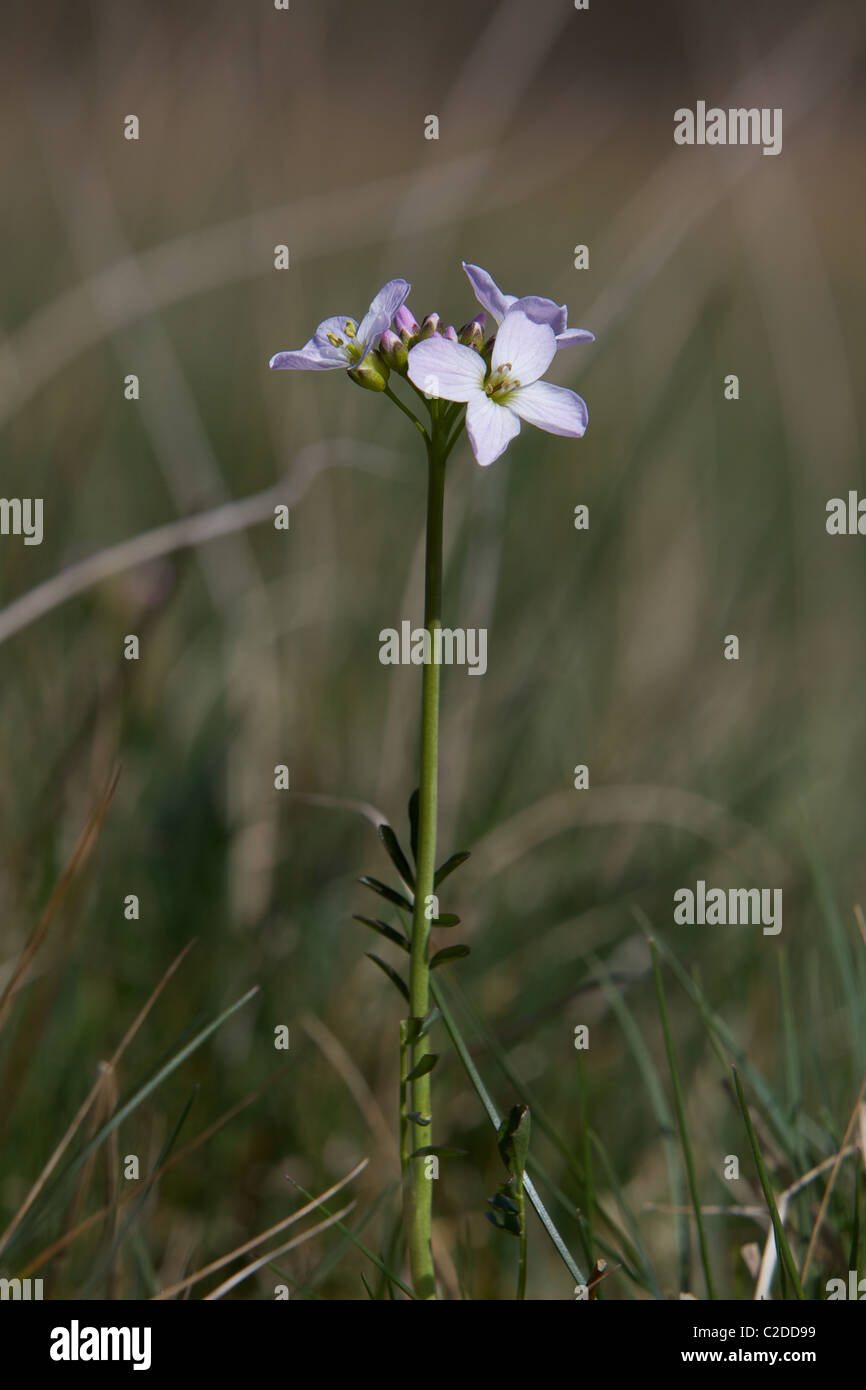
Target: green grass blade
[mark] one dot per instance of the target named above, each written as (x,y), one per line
(135,1101)
(350,1235)
(680,1109)
(493,1115)
(543,1122)
(140,1200)
(660,1107)
(726,1046)
(783,1249)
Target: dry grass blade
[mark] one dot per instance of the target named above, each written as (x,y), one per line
(280,1250)
(342,1063)
(95,1217)
(104,1098)
(86,841)
(188,532)
(771,1254)
(837,1159)
(91,1097)
(264,1235)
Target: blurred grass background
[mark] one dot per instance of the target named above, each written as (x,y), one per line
(605,646)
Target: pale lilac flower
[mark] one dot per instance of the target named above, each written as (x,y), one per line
(488,294)
(510,390)
(341,341)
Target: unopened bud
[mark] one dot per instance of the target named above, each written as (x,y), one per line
(432,324)
(372,374)
(393,351)
(472,333)
(406,325)
(450,333)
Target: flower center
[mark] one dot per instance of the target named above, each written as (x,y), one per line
(350,329)
(499,384)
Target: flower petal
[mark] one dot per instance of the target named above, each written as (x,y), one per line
(335,333)
(528,346)
(551,408)
(487,292)
(574,335)
(446,370)
(312,357)
(544,311)
(378,317)
(490,427)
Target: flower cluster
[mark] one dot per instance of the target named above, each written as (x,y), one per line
(499,380)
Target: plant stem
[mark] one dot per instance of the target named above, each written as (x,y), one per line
(404,1118)
(410,414)
(521,1264)
(420,1188)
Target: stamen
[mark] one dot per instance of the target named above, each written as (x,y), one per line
(349,329)
(334,340)
(499,383)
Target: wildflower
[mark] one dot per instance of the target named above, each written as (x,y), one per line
(340,341)
(488,294)
(498,397)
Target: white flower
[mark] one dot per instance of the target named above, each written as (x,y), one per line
(488,294)
(340,341)
(498,398)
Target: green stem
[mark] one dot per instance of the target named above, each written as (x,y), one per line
(521,1266)
(457,413)
(410,414)
(404,1118)
(420,1188)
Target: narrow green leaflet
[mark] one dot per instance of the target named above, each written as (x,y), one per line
(391,973)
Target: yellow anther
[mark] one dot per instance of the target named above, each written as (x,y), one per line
(498,383)
(334,340)
(349,328)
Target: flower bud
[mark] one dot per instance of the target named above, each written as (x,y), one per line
(372,374)
(432,324)
(406,325)
(450,333)
(472,333)
(393,351)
